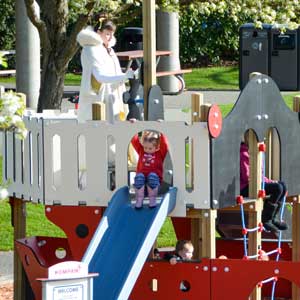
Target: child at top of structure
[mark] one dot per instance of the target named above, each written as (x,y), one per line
(152,150)
(184,250)
(276,190)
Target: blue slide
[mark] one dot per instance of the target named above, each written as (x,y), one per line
(122,242)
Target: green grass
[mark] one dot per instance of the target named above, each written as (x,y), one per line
(71,79)
(214,78)
(37,224)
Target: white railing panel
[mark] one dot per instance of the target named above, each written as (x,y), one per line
(95,133)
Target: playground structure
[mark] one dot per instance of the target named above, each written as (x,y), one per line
(40,172)
(64,165)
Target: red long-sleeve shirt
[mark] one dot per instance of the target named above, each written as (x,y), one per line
(150,162)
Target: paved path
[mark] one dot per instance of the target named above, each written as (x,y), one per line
(6,267)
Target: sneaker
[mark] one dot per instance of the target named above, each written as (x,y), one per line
(280,225)
(269,226)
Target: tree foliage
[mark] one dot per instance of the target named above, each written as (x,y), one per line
(7,25)
(208,29)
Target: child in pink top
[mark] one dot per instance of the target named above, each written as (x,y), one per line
(152,150)
(275,190)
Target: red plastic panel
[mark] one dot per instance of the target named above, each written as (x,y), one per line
(37,254)
(214,121)
(182,227)
(234,279)
(168,279)
(68,218)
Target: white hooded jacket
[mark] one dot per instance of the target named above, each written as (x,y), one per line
(105,67)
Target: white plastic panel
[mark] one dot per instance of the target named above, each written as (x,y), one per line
(95,133)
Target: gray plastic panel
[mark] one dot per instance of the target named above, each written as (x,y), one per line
(259,107)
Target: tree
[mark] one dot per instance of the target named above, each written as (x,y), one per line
(7,25)
(58,47)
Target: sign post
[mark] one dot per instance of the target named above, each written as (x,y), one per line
(68,280)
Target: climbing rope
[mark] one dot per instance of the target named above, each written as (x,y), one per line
(261,254)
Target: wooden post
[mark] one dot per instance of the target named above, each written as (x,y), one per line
(203,222)
(254,238)
(197,102)
(295,200)
(296,103)
(19,224)
(296,219)
(149,45)
(98,111)
(273,155)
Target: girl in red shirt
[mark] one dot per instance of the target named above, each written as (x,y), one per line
(152,150)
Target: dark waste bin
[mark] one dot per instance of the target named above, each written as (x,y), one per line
(272,52)
(131,38)
(254,51)
(284,58)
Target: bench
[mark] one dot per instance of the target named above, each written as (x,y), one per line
(178,74)
(7,73)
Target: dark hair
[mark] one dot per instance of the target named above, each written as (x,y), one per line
(103,24)
(180,245)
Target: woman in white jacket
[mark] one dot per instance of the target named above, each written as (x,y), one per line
(102,78)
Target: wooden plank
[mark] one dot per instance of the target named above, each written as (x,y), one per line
(19,224)
(128,55)
(175,72)
(7,72)
(149,44)
(249,205)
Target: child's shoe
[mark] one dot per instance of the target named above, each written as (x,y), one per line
(152,193)
(281,225)
(267,216)
(139,197)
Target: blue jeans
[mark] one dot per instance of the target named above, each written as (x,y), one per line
(152,180)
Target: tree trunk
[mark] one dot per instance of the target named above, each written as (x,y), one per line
(52,85)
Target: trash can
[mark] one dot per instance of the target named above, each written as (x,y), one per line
(254,51)
(131,38)
(284,64)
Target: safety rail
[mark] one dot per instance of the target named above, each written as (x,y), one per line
(65,162)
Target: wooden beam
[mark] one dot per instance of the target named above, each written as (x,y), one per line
(149,45)
(203,222)
(254,216)
(19,224)
(295,200)
(296,103)
(98,111)
(296,219)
